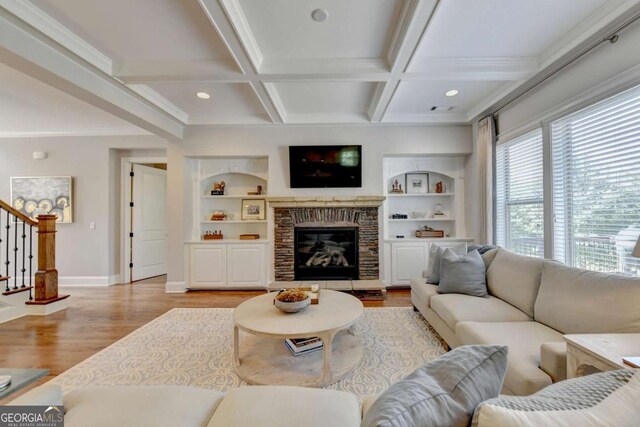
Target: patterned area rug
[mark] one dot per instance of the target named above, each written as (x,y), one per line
(193,346)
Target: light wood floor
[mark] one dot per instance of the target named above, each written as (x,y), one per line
(98,317)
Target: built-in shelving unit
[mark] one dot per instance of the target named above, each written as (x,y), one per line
(420,200)
(405,255)
(227,263)
(241,176)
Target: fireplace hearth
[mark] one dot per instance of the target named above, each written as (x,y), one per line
(326,253)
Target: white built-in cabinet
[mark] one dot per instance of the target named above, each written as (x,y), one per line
(230,262)
(409,260)
(405,256)
(227,265)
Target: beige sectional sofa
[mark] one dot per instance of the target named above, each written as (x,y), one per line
(173,405)
(532,304)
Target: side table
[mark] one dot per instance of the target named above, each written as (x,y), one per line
(600,352)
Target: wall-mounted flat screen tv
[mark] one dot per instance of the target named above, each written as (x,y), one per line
(325,166)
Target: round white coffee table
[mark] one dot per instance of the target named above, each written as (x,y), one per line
(265,359)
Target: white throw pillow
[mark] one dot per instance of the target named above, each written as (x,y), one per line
(598,400)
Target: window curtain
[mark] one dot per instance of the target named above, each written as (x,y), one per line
(485,148)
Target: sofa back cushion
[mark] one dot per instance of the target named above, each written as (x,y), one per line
(604,399)
(576,301)
(515,279)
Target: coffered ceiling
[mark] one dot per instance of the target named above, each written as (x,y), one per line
(270,62)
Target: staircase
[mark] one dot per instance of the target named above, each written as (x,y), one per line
(24,293)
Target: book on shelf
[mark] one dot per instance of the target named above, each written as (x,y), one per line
(299,346)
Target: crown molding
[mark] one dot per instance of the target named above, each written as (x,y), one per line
(608,16)
(39,20)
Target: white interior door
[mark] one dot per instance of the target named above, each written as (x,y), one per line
(148,222)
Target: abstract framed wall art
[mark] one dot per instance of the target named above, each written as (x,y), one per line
(39,195)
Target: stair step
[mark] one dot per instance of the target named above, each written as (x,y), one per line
(17,291)
(4,279)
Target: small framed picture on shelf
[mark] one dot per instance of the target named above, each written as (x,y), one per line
(253,209)
(417,183)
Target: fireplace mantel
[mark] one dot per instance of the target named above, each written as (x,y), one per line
(331,201)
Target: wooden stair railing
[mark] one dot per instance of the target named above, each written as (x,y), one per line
(14,240)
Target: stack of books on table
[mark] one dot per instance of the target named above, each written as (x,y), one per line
(298,346)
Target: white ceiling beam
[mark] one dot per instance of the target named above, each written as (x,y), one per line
(317,67)
(29,51)
(142,72)
(51,28)
(449,118)
(244,52)
(471,69)
(412,24)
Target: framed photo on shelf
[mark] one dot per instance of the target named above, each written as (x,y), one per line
(417,183)
(253,209)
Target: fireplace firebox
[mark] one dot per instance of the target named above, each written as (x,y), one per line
(326,253)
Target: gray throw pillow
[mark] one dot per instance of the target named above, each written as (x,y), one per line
(444,392)
(462,274)
(435,255)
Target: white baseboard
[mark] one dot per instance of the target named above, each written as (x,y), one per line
(175,288)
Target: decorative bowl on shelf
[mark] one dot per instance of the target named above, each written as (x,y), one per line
(292,300)
(416,215)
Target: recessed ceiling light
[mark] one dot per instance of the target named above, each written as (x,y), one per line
(452,92)
(203,95)
(320,15)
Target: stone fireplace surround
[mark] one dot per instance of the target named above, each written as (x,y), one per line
(360,211)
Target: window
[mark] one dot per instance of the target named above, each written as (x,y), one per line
(596,185)
(519,195)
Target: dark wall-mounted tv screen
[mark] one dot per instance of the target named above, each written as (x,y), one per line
(325,166)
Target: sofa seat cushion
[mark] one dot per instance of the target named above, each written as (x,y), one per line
(424,291)
(136,406)
(576,301)
(553,360)
(281,406)
(515,279)
(524,340)
(454,308)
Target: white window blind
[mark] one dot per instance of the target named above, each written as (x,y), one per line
(519,195)
(596,185)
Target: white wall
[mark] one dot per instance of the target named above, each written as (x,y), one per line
(603,63)
(93,256)
(83,256)
(272,141)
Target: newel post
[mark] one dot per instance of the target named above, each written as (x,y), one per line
(47,275)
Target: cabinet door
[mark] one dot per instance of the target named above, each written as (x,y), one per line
(246,265)
(209,266)
(408,261)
